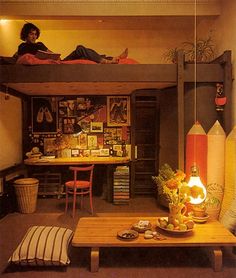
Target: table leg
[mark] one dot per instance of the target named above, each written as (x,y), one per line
(216,258)
(94,259)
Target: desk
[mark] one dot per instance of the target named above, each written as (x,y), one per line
(96,232)
(77,161)
(110,162)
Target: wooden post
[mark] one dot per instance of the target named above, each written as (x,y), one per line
(180,90)
(228,91)
(132,164)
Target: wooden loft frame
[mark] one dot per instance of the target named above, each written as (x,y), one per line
(120,79)
(220,70)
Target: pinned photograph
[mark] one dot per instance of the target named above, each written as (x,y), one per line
(96,127)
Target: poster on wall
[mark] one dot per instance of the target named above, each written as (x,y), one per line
(118,111)
(44,114)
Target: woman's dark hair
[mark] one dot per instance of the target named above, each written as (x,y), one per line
(26,29)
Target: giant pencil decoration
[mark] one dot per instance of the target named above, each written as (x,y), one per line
(196,152)
(215,169)
(230,172)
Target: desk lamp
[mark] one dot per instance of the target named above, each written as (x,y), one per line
(77,130)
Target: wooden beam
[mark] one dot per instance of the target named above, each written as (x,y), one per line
(6,90)
(88,73)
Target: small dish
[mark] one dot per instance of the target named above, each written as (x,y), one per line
(198,219)
(127,235)
(141,229)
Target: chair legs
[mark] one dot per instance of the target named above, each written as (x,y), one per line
(74,203)
(81,202)
(66,207)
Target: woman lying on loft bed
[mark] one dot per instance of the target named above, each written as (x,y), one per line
(30,33)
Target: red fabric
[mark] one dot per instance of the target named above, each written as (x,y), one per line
(74,62)
(29,59)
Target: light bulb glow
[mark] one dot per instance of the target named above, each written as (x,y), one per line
(196,181)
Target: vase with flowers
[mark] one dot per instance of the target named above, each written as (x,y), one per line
(173,185)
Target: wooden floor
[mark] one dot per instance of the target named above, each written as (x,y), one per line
(136,205)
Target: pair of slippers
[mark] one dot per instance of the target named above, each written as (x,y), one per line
(44,111)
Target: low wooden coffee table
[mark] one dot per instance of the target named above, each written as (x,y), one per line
(96,232)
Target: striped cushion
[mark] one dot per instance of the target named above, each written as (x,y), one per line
(43,245)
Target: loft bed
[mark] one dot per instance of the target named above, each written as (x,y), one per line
(122,79)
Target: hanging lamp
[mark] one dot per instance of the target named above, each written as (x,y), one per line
(195,182)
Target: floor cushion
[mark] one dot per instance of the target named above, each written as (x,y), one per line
(43,245)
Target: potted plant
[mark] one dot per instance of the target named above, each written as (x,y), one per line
(204,51)
(171,55)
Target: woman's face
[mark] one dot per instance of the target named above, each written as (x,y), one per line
(32,36)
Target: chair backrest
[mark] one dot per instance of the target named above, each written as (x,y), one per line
(83,169)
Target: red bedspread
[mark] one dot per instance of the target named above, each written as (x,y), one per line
(29,59)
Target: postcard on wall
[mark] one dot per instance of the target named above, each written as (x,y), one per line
(49,146)
(95,152)
(118,150)
(118,111)
(83,143)
(71,108)
(92,142)
(75,153)
(104,152)
(86,153)
(44,115)
(96,127)
(68,125)
(100,141)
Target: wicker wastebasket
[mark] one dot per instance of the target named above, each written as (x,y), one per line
(26,193)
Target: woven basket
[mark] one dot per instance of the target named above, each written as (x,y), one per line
(26,194)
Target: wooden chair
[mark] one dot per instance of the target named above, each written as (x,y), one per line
(80,186)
